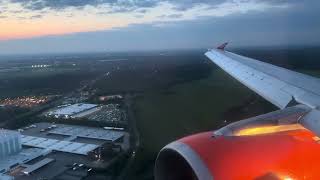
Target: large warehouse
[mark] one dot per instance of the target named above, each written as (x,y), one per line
(71,111)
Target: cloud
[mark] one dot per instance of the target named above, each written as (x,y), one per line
(73,16)
(36,16)
(124,5)
(52,4)
(171,16)
(143,11)
(297,25)
(131,5)
(177,9)
(16,11)
(183,5)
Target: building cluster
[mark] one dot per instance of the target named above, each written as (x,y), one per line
(25,102)
(61,151)
(45,150)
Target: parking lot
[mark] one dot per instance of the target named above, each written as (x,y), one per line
(107,113)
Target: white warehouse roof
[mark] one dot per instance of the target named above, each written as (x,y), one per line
(24,156)
(57,145)
(72,109)
(87,132)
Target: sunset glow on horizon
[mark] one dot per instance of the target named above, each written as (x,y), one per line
(16,22)
(47,26)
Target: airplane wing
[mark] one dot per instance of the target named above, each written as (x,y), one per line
(280,86)
(220,154)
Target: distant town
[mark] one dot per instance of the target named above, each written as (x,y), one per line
(63,133)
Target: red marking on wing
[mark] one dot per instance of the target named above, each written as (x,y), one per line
(221,47)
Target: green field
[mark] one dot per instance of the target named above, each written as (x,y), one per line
(187,108)
(183,109)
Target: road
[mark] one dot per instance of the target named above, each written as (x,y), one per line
(134,134)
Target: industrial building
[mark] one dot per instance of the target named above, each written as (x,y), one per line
(12,154)
(58,145)
(73,110)
(10,143)
(87,132)
(46,150)
(31,168)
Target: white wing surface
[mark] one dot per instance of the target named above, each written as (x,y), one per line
(280,86)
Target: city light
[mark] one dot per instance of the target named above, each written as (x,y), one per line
(26,102)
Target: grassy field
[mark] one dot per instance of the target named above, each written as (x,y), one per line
(199,105)
(187,108)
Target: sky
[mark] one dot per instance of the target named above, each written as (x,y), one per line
(52,26)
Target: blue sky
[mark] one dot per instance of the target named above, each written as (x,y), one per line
(50,26)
